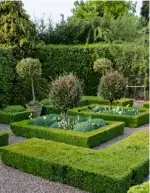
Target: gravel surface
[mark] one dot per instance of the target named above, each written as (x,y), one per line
(15,181)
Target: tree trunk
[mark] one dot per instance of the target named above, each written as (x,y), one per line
(110,103)
(33,93)
(65,116)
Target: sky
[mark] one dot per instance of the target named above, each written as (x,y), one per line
(53,8)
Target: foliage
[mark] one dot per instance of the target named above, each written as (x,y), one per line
(96,9)
(130,121)
(86,139)
(117,110)
(102,65)
(9,117)
(3,138)
(123,29)
(29,69)
(112,86)
(141,188)
(14,109)
(87,100)
(145,9)
(146,104)
(16,29)
(65,92)
(7,63)
(113,169)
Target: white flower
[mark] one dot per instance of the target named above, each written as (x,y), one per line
(44,117)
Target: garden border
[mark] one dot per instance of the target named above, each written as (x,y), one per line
(113,169)
(3,138)
(130,121)
(86,139)
(7,118)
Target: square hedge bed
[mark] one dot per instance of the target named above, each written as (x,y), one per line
(130,121)
(3,138)
(84,139)
(111,170)
(8,117)
(87,100)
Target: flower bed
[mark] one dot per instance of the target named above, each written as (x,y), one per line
(87,100)
(3,138)
(113,169)
(130,120)
(85,139)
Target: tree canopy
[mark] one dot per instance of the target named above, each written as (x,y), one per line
(15,25)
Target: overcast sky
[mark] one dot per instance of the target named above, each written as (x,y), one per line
(54,8)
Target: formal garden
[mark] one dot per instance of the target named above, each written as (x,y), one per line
(74,100)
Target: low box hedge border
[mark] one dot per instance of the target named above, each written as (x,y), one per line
(7,118)
(141,188)
(110,170)
(130,121)
(86,139)
(3,138)
(146,104)
(87,100)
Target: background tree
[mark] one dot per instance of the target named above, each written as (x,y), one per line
(112,87)
(16,29)
(145,10)
(65,93)
(29,69)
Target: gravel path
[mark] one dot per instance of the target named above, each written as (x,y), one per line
(15,181)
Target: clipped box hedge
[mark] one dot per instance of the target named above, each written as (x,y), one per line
(87,100)
(130,121)
(7,117)
(47,109)
(3,138)
(111,170)
(146,105)
(84,139)
(142,188)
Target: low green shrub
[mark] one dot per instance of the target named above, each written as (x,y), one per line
(130,121)
(110,170)
(14,109)
(142,188)
(146,104)
(8,117)
(87,100)
(45,102)
(87,139)
(3,138)
(48,109)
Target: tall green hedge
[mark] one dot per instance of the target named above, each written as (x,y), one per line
(129,59)
(7,75)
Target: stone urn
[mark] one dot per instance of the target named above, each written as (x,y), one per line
(36,107)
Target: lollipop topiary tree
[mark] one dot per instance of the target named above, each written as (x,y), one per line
(66,92)
(102,65)
(112,86)
(30,69)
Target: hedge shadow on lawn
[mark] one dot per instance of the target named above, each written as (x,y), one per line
(84,139)
(130,121)
(111,170)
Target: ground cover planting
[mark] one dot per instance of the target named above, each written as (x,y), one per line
(81,131)
(14,113)
(113,169)
(132,117)
(146,105)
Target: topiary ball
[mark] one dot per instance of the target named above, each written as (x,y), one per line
(14,109)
